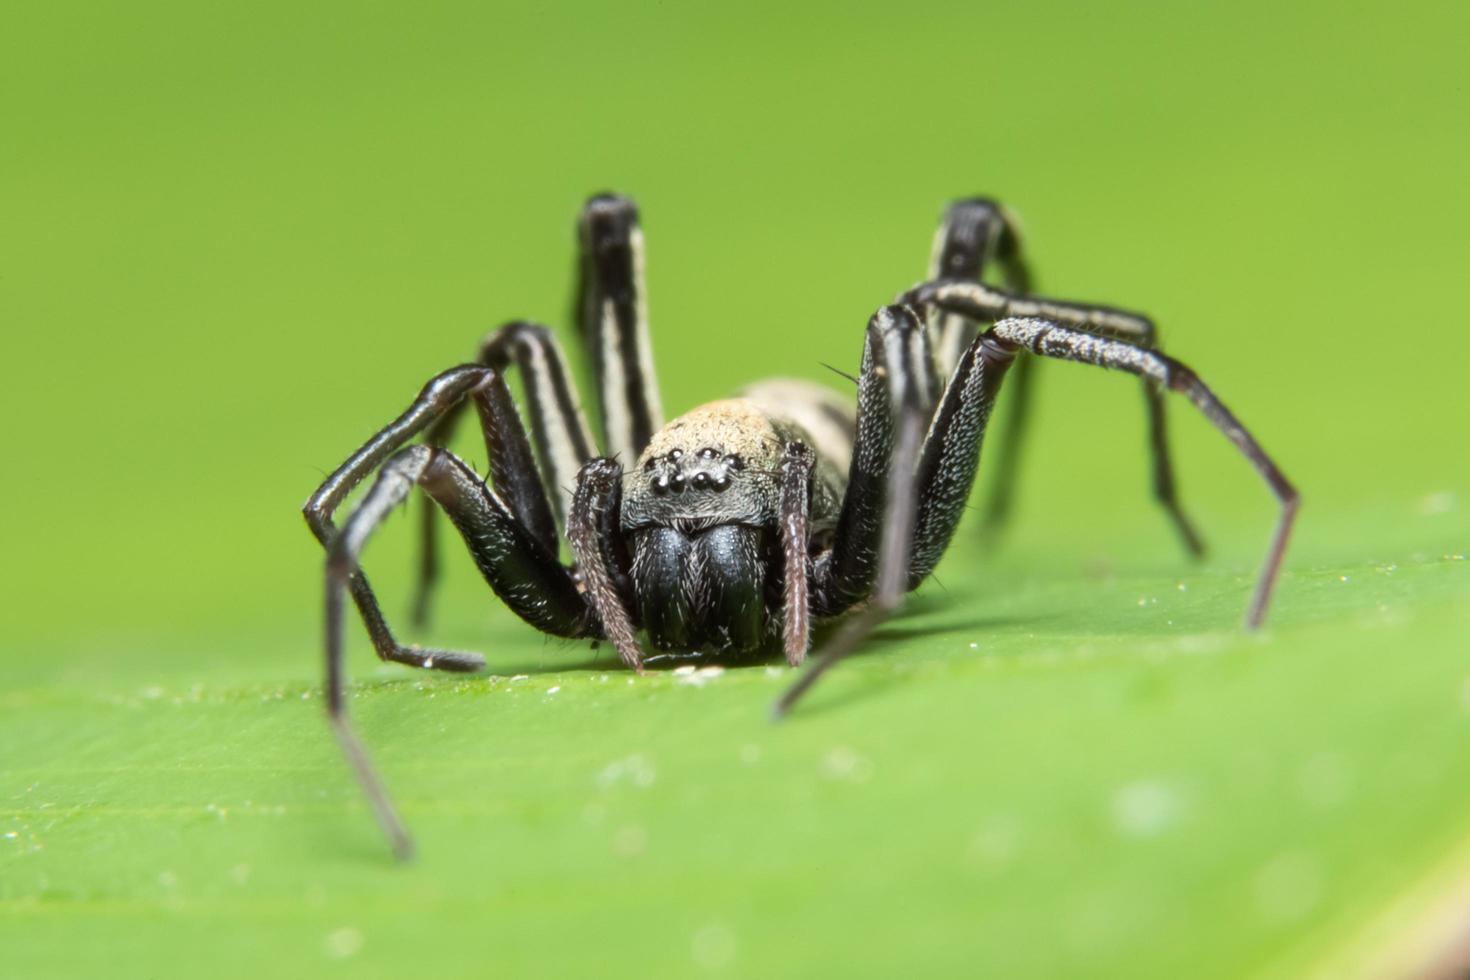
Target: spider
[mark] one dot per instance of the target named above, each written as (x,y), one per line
(726,532)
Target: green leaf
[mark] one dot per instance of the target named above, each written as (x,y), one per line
(239,239)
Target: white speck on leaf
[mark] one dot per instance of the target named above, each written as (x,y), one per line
(702,676)
(1326,780)
(713,947)
(629,841)
(1145,808)
(553,690)
(1435,504)
(844,763)
(996,843)
(636,769)
(343,943)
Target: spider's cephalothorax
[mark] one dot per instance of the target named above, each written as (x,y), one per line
(701,516)
(740,522)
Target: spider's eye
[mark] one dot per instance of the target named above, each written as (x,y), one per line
(675,453)
(707,453)
(648,466)
(735,462)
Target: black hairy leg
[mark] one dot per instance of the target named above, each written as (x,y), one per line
(875,532)
(559,436)
(923,489)
(974,301)
(611,308)
(512,555)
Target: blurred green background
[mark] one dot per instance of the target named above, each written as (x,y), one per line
(238,238)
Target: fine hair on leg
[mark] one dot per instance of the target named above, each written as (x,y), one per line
(559,434)
(875,531)
(981,302)
(1050,339)
(796,501)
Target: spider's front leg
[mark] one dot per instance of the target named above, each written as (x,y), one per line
(871,554)
(506,534)
(558,430)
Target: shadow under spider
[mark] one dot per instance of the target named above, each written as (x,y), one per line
(599,656)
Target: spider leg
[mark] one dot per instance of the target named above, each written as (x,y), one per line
(928,505)
(439,396)
(517,565)
(602,562)
(611,308)
(870,559)
(796,502)
(974,234)
(558,431)
(951,453)
(1051,339)
(896,371)
(978,301)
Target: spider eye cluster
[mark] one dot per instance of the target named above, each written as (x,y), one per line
(705,469)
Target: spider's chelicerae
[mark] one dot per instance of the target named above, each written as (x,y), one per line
(727,531)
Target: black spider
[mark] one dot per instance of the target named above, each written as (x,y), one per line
(742,521)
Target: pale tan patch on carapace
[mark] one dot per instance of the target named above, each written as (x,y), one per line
(734,426)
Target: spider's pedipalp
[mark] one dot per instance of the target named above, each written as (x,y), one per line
(592,528)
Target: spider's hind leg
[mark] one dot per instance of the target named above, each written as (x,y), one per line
(978,234)
(975,236)
(976,301)
(610,306)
